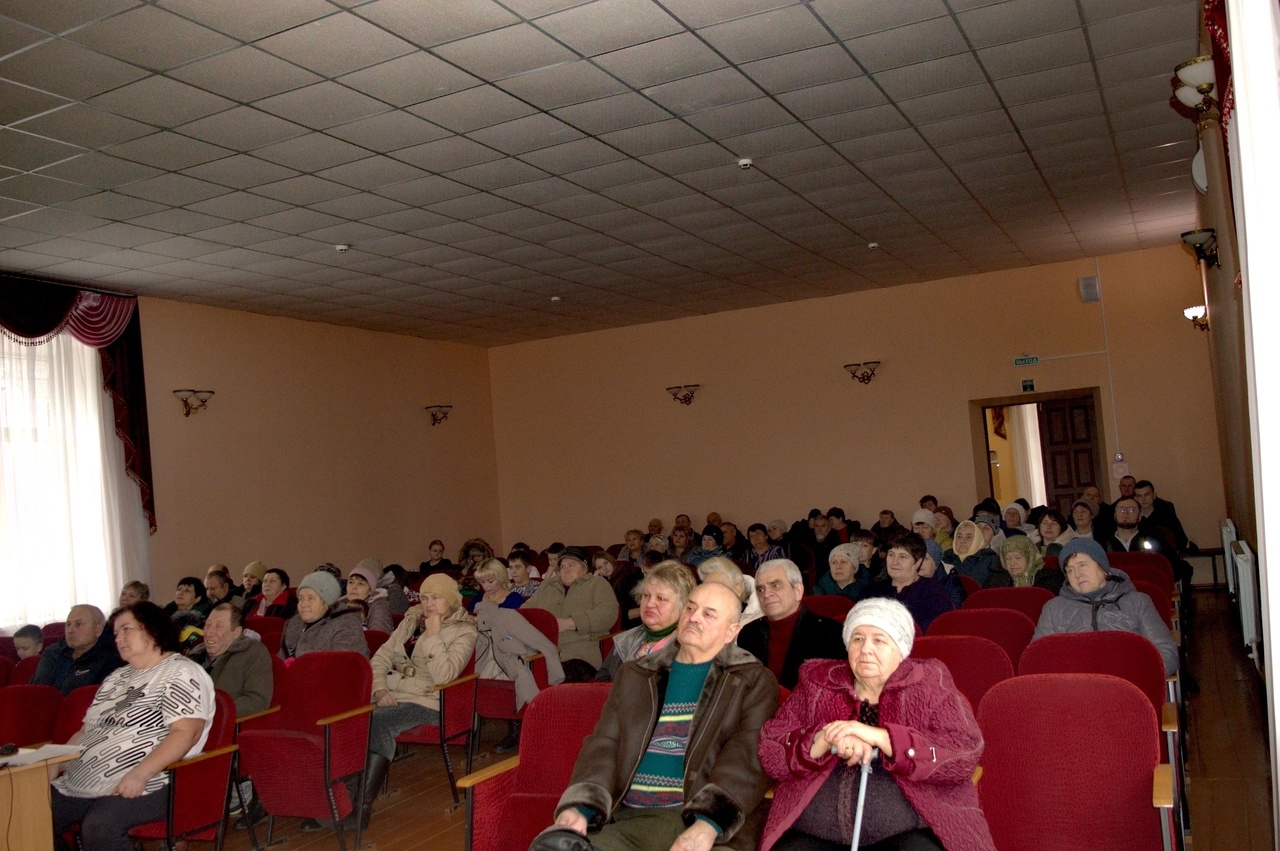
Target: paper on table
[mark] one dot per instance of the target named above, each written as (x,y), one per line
(26,756)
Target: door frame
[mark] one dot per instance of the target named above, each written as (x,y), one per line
(978,429)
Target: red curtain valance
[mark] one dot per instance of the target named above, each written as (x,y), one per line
(33,312)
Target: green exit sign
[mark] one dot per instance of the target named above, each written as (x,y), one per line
(1026,360)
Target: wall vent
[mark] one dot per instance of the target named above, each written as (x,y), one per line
(1089,290)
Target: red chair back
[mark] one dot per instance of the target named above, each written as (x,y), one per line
(375,638)
(1011,630)
(614,549)
(279,672)
(54,632)
(1029,601)
(71,713)
(1149,571)
(320,684)
(1160,599)
(24,671)
(271,629)
(831,606)
(970,585)
(1126,655)
(976,664)
(1035,735)
(27,714)
(6,670)
(9,650)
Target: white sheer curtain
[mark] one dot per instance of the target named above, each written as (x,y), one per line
(1024,434)
(72,529)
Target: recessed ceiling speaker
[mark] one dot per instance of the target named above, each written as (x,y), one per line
(1089,290)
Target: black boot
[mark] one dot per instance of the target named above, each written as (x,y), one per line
(376,769)
(512,741)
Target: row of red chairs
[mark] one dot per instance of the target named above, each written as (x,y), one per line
(1037,756)
(53,633)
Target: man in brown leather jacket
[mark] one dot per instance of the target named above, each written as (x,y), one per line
(672,762)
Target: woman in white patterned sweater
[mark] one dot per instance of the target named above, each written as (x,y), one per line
(152,712)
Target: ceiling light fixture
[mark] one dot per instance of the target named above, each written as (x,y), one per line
(1204,243)
(863,372)
(683,393)
(1197,316)
(185,396)
(439,413)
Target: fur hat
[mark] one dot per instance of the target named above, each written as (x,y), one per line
(323,583)
(445,586)
(924,515)
(1088,546)
(888,615)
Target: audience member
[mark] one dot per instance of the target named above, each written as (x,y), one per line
(1015,519)
(864,543)
(219,589)
(924,596)
(714,518)
(28,641)
(321,623)
(1128,535)
(362,584)
(920,793)
(518,564)
(189,598)
(929,502)
(584,606)
(839,527)
(712,545)
(788,634)
(638,791)
(472,554)
(495,587)
(945,522)
(395,581)
(989,526)
(655,529)
(84,656)
(1160,513)
(623,577)
(153,711)
(734,545)
(274,598)
(762,548)
(970,555)
(436,562)
(727,573)
(661,597)
(251,578)
(777,531)
(935,566)
(821,539)
(886,528)
(1022,565)
(925,524)
(134,592)
(656,544)
(1098,597)
(680,548)
(239,664)
(846,577)
(633,547)
(1052,532)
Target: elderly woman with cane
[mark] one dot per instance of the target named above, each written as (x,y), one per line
(877,752)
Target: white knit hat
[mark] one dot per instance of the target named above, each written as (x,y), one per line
(886,614)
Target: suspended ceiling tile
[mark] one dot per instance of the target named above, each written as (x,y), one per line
(24,152)
(660,61)
(609,25)
(1041,53)
(175,189)
(850,20)
(161,101)
(152,38)
(169,151)
(249,20)
(322,105)
(472,109)
(336,45)
(68,69)
(56,16)
(502,53)
(445,22)
(245,74)
(563,85)
(768,34)
(919,42)
(101,171)
(409,79)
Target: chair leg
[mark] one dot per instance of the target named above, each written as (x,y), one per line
(448,767)
(337,822)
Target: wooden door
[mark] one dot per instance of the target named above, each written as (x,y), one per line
(1070,445)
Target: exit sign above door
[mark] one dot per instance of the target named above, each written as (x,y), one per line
(1026,360)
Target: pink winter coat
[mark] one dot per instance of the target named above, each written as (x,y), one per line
(936,746)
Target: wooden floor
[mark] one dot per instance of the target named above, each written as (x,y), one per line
(1228,766)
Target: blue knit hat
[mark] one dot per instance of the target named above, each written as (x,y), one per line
(1089,547)
(934,549)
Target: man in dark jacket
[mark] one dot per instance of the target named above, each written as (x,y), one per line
(1160,513)
(83,657)
(238,664)
(788,634)
(673,757)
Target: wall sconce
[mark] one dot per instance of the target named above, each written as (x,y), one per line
(1195,84)
(863,372)
(1204,243)
(201,399)
(683,393)
(1197,316)
(439,413)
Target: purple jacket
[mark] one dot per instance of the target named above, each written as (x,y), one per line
(936,746)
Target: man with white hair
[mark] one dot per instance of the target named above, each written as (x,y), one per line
(788,634)
(672,762)
(83,656)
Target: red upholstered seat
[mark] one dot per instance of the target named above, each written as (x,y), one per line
(8,649)
(54,632)
(1044,789)
(28,713)
(832,606)
(1159,598)
(24,671)
(271,629)
(457,709)
(1011,630)
(614,549)
(971,585)
(199,787)
(71,713)
(298,754)
(976,664)
(375,638)
(6,670)
(509,803)
(1029,601)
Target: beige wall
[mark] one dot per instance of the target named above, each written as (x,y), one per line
(316,446)
(589,444)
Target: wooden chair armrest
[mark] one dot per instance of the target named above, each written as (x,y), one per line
(535,657)
(343,716)
(254,716)
(488,771)
(768,794)
(977,775)
(1162,786)
(459,681)
(1169,717)
(201,757)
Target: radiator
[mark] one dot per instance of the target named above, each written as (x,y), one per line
(1248,599)
(1228,562)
